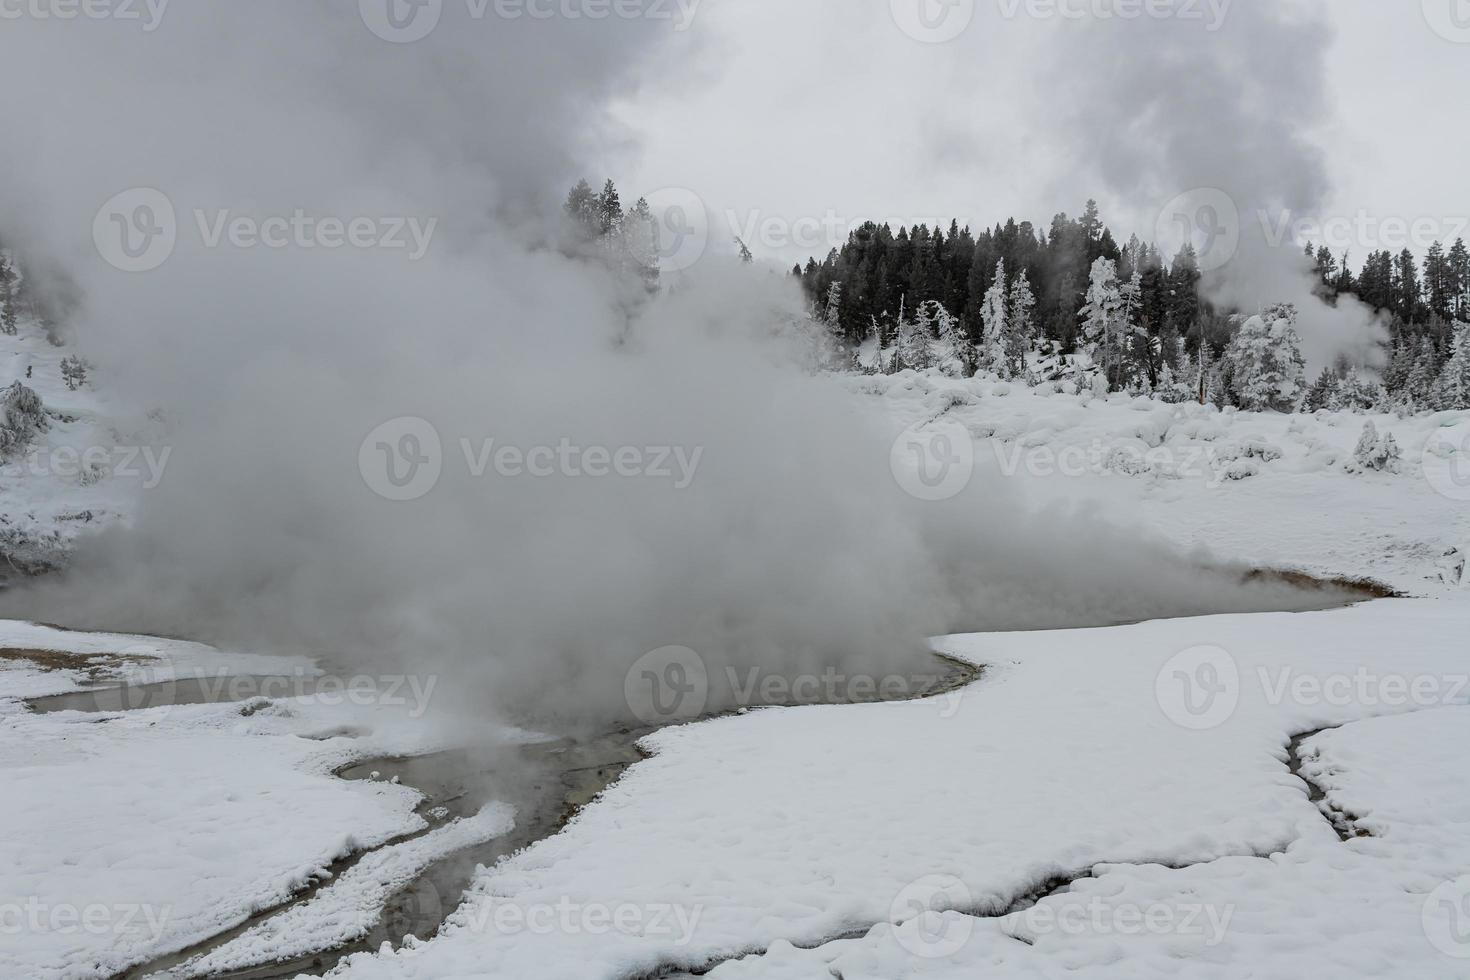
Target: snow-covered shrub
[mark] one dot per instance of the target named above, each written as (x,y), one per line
(1267,368)
(1242,469)
(1375,453)
(1255,447)
(22,416)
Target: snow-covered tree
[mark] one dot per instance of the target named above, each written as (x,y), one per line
(1419,387)
(915,334)
(1374,452)
(1268,371)
(1102,323)
(1453,390)
(995,317)
(1018,327)
(7,296)
(1324,392)
(953,353)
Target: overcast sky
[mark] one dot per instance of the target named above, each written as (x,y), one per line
(807,112)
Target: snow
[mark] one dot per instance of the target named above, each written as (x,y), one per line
(1071,756)
(348,908)
(1267,489)
(85,471)
(1148,765)
(205,823)
(208,814)
(1391,905)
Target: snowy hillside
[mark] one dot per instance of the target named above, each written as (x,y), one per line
(1274,490)
(84,467)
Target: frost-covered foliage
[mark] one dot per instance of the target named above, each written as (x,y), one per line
(1019,325)
(1100,313)
(22,417)
(1375,453)
(73,372)
(953,353)
(1453,393)
(995,318)
(1267,370)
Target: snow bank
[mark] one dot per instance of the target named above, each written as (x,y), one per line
(1079,751)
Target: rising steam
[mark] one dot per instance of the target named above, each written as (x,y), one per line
(791,547)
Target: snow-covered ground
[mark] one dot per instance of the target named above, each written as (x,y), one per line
(1102,752)
(1137,780)
(84,471)
(128,835)
(1268,489)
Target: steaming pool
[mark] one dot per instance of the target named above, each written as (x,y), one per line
(547,783)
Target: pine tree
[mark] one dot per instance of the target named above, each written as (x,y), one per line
(914,348)
(955,353)
(995,315)
(7,297)
(1419,387)
(1453,390)
(1018,328)
(1323,394)
(1101,316)
(1266,361)
(640,243)
(609,210)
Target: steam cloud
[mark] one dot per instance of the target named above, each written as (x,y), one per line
(1176,107)
(792,548)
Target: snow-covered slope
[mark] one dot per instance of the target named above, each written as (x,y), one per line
(1268,489)
(82,473)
